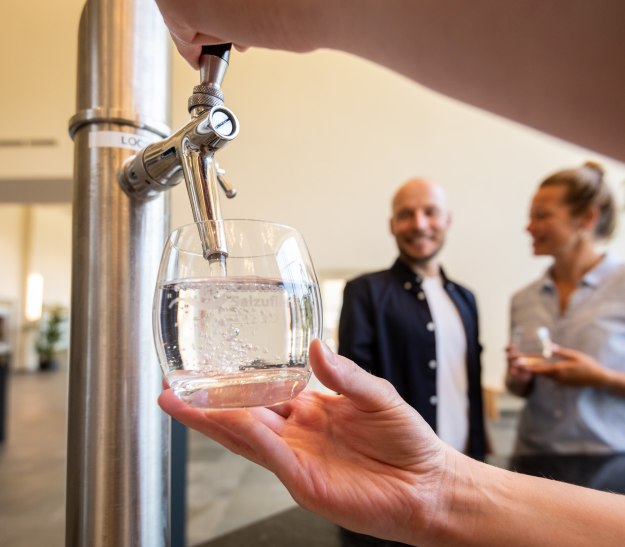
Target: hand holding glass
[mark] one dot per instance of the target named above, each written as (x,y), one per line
(533,344)
(235,333)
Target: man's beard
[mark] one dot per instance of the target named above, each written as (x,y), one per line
(421,260)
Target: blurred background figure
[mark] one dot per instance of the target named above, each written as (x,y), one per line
(416,328)
(576,393)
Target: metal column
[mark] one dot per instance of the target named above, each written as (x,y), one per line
(118,438)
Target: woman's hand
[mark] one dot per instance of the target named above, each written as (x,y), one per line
(364,459)
(573,368)
(519,377)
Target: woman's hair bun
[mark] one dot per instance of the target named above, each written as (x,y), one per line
(595,166)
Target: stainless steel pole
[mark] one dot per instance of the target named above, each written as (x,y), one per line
(118,439)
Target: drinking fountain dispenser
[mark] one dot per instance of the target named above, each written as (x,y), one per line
(118,439)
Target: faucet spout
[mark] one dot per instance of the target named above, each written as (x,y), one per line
(200,172)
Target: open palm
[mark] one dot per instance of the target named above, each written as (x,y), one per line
(364,456)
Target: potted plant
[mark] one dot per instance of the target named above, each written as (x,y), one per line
(49,338)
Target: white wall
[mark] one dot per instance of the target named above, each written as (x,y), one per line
(325,139)
(33,239)
(11,219)
(51,252)
(11,277)
(37,98)
(36,239)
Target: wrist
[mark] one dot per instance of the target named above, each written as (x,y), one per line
(456,520)
(604,379)
(428,525)
(478,504)
(612,380)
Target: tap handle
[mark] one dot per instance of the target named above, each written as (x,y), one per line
(213,66)
(218,50)
(228,189)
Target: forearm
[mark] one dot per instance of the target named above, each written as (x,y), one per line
(513,59)
(494,507)
(614,382)
(522,60)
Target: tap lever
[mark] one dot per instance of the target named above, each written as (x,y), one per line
(228,189)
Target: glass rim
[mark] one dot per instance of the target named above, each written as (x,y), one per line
(175,234)
(252,220)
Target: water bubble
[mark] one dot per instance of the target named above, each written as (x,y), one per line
(232,334)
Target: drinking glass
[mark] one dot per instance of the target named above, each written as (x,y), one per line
(235,332)
(533,343)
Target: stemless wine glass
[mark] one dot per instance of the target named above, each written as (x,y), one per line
(533,343)
(235,333)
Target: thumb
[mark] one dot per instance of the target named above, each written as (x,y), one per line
(563,352)
(339,374)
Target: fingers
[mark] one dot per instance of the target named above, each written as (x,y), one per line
(510,349)
(339,374)
(270,417)
(250,434)
(565,353)
(173,406)
(190,52)
(540,368)
(191,48)
(519,368)
(512,357)
(205,420)
(520,374)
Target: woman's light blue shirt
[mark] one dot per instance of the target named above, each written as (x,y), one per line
(571,420)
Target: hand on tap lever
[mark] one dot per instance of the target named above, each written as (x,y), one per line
(513,60)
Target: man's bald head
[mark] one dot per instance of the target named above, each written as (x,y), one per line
(420,187)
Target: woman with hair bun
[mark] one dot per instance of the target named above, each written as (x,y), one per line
(575,399)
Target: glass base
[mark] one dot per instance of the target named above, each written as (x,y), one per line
(238,390)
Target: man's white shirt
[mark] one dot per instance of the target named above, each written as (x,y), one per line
(452,405)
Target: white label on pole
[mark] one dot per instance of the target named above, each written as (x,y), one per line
(117,139)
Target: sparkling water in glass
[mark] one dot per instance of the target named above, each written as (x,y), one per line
(235,333)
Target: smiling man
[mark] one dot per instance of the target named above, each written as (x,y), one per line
(415,327)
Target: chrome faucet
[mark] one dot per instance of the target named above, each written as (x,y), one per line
(189,154)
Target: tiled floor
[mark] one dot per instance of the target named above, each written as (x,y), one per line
(224,491)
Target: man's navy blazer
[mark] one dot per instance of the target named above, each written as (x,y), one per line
(386,327)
